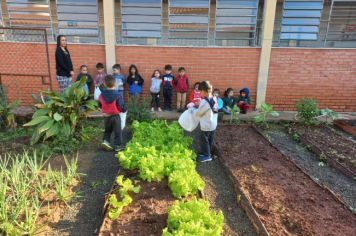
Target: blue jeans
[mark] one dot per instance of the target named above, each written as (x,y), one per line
(121,100)
(207,140)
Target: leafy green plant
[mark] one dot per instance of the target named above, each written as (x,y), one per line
(329,114)
(266,110)
(296,137)
(125,188)
(193,217)
(7,118)
(61,115)
(307,110)
(233,115)
(160,150)
(138,109)
(182,185)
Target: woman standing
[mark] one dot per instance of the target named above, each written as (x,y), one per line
(64,64)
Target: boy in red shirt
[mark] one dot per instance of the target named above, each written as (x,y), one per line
(182,85)
(109,101)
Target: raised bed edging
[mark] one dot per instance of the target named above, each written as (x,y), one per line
(243,200)
(345,127)
(335,195)
(330,160)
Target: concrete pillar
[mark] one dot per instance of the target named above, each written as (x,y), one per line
(269,13)
(109,33)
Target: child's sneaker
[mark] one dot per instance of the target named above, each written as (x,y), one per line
(159,109)
(106,146)
(119,148)
(202,158)
(152,109)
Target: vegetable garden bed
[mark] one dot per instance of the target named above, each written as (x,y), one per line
(286,200)
(159,155)
(331,147)
(147,215)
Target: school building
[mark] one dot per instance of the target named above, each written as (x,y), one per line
(282,50)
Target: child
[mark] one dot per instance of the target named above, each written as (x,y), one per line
(84,72)
(135,81)
(109,101)
(244,100)
(120,82)
(194,97)
(155,88)
(216,95)
(100,76)
(182,85)
(167,81)
(207,113)
(229,101)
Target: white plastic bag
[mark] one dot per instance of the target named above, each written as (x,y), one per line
(123,119)
(188,120)
(97,93)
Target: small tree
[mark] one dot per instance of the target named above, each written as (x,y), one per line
(266,110)
(307,110)
(62,114)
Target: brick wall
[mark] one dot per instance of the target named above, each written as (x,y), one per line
(21,59)
(327,75)
(223,67)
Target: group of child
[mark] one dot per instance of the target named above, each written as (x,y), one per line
(205,102)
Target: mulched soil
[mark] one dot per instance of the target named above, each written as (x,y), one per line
(220,192)
(343,186)
(287,201)
(330,143)
(146,215)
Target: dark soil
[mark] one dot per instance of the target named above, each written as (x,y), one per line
(330,144)
(220,192)
(99,171)
(348,126)
(287,201)
(340,184)
(17,145)
(146,215)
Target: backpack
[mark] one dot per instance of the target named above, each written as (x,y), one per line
(212,104)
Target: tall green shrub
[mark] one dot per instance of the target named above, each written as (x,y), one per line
(307,110)
(138,109)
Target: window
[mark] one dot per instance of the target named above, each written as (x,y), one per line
(141,21)
(188,22)
(342,25)
(78,19)
(30,14)
(301,19)
(235,22)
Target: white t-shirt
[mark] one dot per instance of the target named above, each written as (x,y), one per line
(208,119)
